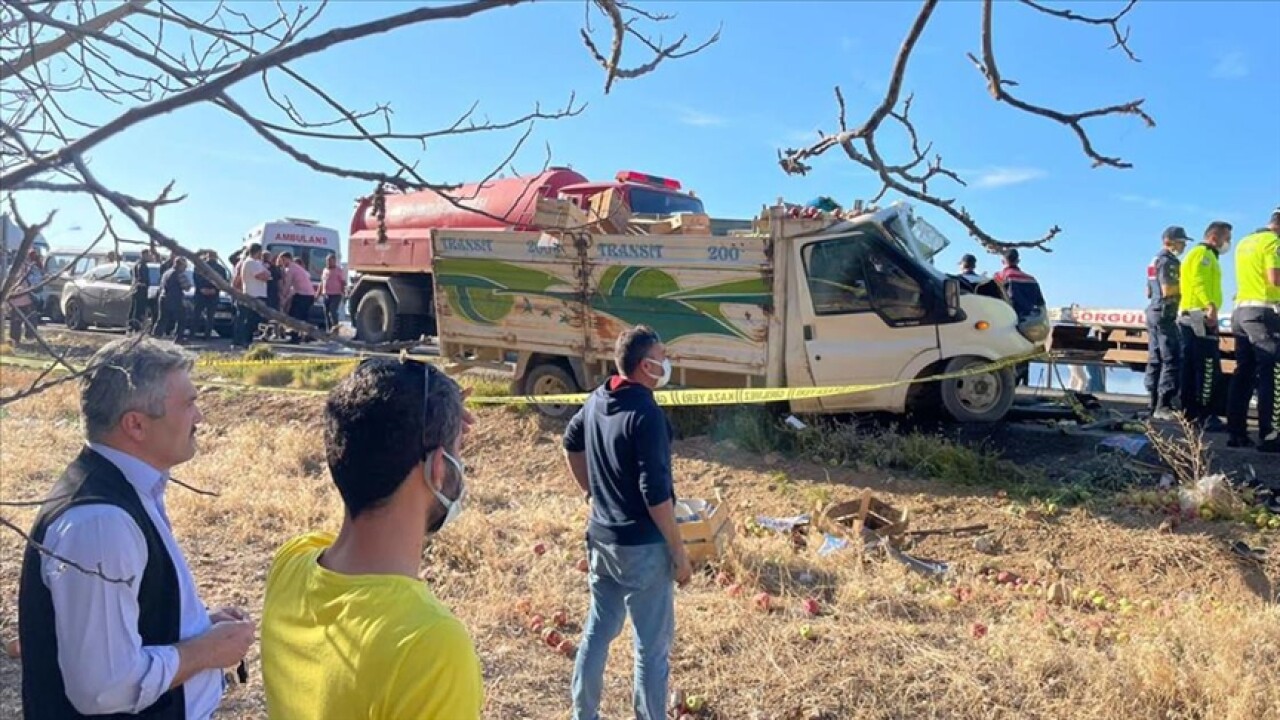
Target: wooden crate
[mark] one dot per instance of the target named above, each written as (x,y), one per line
(610,212)
(552,214)
(867,512)
(706,538)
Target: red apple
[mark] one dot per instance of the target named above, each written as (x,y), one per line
(524,606)
(583,566)
(539,549)
(811,606)
(724,579)
(536,623)
(551,637)
(560,618)
(735,590)
(762,601)
(979,630)
(567,648)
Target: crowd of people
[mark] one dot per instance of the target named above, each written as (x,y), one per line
(279,281)
(348,629)
(1184,368)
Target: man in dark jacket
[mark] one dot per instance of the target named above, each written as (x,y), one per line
(174,285)
(128,635)
(206,298)
(139,302)
(619,453)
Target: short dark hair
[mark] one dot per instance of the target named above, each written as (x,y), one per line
(286,254)
(1011,256)
(633,346)
(1217,226)
(377,430)
(968,261)
(254,249)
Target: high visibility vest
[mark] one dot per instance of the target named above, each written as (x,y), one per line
(1201,282)
(1256,256)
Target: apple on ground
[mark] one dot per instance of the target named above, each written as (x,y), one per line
(762,601)
(979,630)
(560,618)
(811,607)
(735,590)
(583,566)
(566,648)
(694,703)
(806,632)
(551,637)
(539,549)
(524,606)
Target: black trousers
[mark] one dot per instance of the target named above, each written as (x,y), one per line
(300,308)
(1201,372)
(1257,335)
(332,303)
(206,307)
(247,322)
(173,317)
(138,307)
(1164,359)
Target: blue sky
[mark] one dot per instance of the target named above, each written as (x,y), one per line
(1209,74)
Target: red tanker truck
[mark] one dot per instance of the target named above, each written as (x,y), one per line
(392,295)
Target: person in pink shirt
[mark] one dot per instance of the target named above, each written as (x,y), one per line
(298,294)
(333,281)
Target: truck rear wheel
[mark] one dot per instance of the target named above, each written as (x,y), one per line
(551,379)
(980,398)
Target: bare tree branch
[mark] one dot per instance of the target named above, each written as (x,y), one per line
(1122,38)
(912,178)
(44,550)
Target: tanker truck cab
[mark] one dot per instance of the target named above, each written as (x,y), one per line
(865,306)
(646,196)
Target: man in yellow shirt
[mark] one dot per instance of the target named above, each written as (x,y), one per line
(1198,306)
(1255,324)
(348,630)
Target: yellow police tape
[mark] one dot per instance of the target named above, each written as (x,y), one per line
(743,396)
(671,398)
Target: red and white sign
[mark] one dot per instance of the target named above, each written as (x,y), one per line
(300,238)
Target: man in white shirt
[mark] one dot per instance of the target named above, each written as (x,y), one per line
(132,637)
(251,278)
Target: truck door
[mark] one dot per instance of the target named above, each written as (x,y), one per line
(866,318)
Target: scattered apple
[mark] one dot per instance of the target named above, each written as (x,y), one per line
(979,630)
(551,637)
(540,549)
(1099,601)
(762,601)
(724,579)
(1004,577)
(735,590)
(1274,523)
(560,618)
(811,607)
(583,566)
(536,624)
(949,601)
(1206,512)
(806,632)
(694,703)
(566,648)
(524,606)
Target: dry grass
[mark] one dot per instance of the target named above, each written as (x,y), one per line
(1197,642)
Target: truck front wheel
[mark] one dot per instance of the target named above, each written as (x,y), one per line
(980,398)
(551,379)
(375,318)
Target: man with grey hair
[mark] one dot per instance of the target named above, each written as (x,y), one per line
(126,634)
(348,628)
(618,447)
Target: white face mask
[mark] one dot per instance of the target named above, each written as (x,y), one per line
(666,371)
(453,508)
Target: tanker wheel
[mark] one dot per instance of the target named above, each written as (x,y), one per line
(376,320)
(551,378)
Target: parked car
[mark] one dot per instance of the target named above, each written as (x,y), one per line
(49,297)
(102,298)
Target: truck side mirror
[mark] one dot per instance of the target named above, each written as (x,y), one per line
(951,292)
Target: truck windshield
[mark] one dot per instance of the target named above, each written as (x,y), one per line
(645,201)
(312,258)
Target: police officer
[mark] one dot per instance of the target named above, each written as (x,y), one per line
(1201,298)
(1255,324)
(1163,352)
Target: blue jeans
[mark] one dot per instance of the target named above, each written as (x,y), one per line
(638,581)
